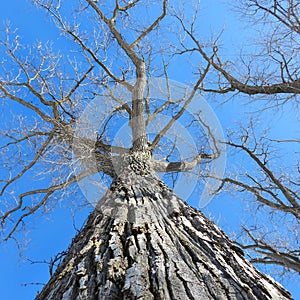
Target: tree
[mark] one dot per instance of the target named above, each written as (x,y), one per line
(53,95)
(153,246)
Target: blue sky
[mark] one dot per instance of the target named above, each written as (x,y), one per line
(53,233)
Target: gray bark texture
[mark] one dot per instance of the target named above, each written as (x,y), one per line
(143,242)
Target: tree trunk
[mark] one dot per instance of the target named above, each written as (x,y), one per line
(143,242)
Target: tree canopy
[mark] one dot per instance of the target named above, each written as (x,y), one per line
(112,52)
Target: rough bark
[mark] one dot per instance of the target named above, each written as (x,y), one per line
(143,242)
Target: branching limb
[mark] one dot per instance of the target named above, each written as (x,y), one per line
(294,206)
(291,87)
(65,28)
(53,263)
(287,16)
(26,104)
(152,26)
(38,155)
(181,111)
(32,209)
(138,126)
(258,193)
(76,86)
(19,140)
(271,255)
(182,166)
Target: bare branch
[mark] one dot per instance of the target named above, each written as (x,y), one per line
(286,16)
(291,87)
(85,47)
(181,111)
(152,26)
(28,167)
(293,202)
(77,85)
(272,255)
(182,166)
(32,209)
(26,104)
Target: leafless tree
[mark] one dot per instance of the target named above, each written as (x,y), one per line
(52,95)
(44,94)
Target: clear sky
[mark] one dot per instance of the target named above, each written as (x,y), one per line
(20,278)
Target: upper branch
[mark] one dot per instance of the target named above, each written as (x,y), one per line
(65,28)
(288,16)
(288,259)
(121,41)
(32,209)
(152,26)
(26,104)
(289,196)
(181,111)
(30,165)
(138,119)
(290,87)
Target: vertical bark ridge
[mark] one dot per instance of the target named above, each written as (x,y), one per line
(143,242)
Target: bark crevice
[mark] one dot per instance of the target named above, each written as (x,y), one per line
(143,242)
